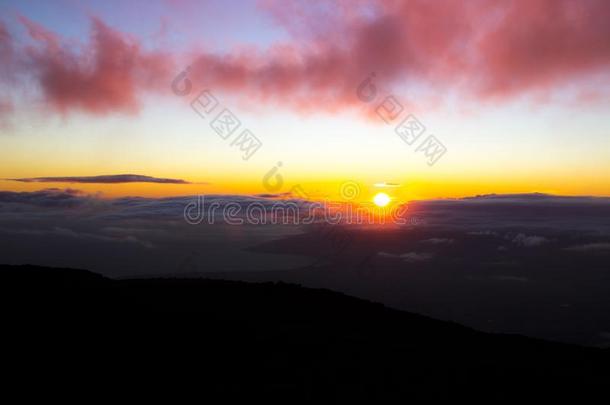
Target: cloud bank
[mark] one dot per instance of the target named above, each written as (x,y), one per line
(484,215)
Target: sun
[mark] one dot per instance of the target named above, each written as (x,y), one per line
(381,199)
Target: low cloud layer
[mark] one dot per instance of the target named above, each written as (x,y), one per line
(483,215)
(48,198)
(133,235)
(405,267)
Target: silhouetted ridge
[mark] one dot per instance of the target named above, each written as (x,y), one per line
(236,340)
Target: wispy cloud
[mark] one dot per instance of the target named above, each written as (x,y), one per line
(105,179)
(529,240)
(438,241)
(386,185)
(410,257)
(590,247)
(274,195)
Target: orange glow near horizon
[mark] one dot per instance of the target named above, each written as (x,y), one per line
(415,189)
(506,125)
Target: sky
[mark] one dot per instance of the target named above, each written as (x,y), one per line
(515,94)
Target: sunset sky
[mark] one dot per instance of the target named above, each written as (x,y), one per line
(517,92)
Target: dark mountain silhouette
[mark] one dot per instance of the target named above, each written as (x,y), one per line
(71,330)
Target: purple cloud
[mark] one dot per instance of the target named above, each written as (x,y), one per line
(106,179)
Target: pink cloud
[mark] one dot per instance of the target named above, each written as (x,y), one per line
(544,43)
(108,75)
(483,49)
(5,107)
(7,55)
(6,110)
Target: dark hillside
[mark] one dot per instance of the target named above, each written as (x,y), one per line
(71,328)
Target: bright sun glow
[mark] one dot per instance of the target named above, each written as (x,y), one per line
(381,199)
